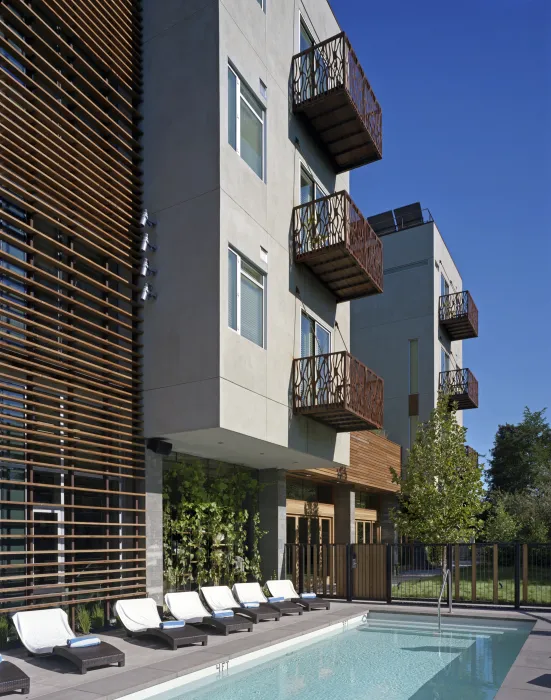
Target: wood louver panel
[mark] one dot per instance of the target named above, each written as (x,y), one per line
(72,477)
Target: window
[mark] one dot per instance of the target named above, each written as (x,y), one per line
(414,366)
(444,360)
(313,231)
(246,287)
(444,286)
(314,338)
(262,4)
(246,123)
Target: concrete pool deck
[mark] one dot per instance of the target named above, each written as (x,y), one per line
(148,664)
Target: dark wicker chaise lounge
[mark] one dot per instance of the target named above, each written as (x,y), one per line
(13,678)
(46,633)
(252,593)
(186,605)
(285,589)
(221,598)
(141,619)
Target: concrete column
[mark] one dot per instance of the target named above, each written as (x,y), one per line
(154,525)
(344,499)
(388,531)
(273,514)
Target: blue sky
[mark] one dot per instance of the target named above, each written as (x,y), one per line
(465,89)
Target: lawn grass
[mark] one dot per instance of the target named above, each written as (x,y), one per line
(539,589)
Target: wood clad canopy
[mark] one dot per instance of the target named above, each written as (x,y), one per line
(72,499)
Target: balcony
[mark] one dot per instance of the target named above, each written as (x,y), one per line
(459,315)
(338,390)
(332,92)
(332,237)
(472,454)
(461,386)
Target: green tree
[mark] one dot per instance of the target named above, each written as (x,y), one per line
(521,455)
(441,491)
(501,525)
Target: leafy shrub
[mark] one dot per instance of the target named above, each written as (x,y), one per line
(83,619)
(97,616)
(4,631)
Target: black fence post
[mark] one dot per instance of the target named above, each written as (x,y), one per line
(301,562)
(348,573)
(517,575)
(389,573)
(450,575)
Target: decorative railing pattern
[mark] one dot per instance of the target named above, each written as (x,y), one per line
(338,380)
(333,64)
(458,305)
(459,381)
(335,219)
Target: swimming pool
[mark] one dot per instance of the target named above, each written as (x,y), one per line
(388,657)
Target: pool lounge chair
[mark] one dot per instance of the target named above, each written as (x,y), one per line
(220,598)
(285,589)
(188,606)
(252,593)
(140,618)
(13,678)
(47,632)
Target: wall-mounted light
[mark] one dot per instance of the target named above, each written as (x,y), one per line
(146,221)
(147,292)
(145,270)
(146,243)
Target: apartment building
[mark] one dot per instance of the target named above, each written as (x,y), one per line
(235,125)
(413,334)
(254,114)
(71,448)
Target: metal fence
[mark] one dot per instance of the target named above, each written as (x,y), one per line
(509,574)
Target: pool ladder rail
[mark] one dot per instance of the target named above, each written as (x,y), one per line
(447,577)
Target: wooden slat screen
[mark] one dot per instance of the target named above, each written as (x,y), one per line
(72,503)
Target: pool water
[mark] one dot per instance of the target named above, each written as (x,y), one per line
(390,657)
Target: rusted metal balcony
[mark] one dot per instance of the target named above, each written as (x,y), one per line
(461,387)
(332,237)
(338,390)
(459,315)
(472,454)
(332,92)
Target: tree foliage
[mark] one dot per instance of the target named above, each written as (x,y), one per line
(519,478)
(521,455)
(441,491)
(211,525)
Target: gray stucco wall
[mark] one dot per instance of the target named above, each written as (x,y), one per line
(408,309)
(198,373)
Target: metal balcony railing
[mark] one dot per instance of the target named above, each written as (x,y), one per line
(331,89)
(461,386)
(333,238)
(338,390)
(458,315)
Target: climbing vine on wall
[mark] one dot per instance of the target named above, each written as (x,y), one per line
(211,525)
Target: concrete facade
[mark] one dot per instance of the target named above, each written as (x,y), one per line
(416,259)
(207,389)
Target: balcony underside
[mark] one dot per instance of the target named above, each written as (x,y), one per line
(338,125)
(340,272)
(463,401)
(342,419)
(459,327)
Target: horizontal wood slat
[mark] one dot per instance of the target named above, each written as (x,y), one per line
(371,456)
(72,471)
